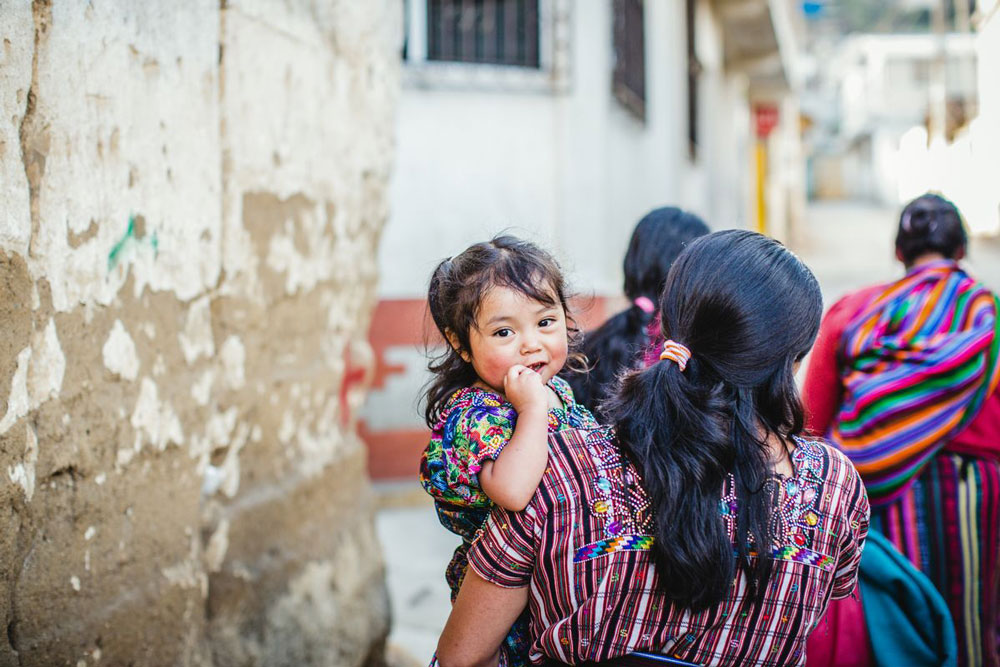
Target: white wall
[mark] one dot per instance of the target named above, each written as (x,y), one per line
(573,170)
(984,213)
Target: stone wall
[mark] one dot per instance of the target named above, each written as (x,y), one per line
(191,197)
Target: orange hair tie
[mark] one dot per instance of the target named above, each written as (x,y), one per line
(674,351)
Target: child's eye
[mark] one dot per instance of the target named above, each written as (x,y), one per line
(503,333)
(547,322)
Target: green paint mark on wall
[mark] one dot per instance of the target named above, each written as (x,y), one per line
(116,251)
(136,233)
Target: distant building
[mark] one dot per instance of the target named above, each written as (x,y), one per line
(986,128)
(869,101)
(565,122)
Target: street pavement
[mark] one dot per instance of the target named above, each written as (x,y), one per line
(416,549)
(847,245)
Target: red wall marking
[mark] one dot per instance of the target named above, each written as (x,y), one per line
(395,453)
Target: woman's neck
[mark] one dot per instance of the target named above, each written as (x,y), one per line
(926,258)
(779,456)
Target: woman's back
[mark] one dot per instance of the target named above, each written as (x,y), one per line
(596,593)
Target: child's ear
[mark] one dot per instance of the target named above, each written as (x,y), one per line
(457,346)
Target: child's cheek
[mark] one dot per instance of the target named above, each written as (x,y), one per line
(560,354)
(496,368)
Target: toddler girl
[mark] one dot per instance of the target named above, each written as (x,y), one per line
(501,307)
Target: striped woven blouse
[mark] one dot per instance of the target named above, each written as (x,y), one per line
(582,545)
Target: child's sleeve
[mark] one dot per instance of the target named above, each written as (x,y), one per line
(481,433)
(472,435)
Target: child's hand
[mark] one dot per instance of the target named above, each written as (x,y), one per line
(525,390)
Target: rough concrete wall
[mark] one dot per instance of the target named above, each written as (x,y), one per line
(191,201)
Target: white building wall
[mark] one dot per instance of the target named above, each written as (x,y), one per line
(573,170)
(983,214)
(550,155)
(718,185)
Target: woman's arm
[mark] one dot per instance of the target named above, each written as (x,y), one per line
(821,391)
(510,481)
(480,619)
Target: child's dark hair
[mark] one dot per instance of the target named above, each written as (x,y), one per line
(930,223)
(458,286)
(747,309)
(618,344)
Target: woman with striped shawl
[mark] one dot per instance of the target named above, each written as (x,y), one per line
(904,380)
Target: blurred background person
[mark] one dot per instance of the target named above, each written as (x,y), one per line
(618,344)
(903,379)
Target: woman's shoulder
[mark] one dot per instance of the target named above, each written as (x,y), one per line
(818,458)
(844,308)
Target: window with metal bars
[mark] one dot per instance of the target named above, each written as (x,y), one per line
(499,32)
(629,76)
(693,75)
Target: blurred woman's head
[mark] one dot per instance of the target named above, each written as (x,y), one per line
(656,241)
(930,225)
(747,309)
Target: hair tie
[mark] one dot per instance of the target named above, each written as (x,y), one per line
(645,304)
(674,351)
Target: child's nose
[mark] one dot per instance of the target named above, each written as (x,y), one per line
(530,343)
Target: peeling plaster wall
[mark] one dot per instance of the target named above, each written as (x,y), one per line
(191,204)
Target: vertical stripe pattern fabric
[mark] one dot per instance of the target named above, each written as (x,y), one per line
(582,548)
(948,524)
(916,365)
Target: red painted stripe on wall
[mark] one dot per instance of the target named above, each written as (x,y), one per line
(395,453)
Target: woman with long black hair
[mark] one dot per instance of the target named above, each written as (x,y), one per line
(701,528)
(619,345)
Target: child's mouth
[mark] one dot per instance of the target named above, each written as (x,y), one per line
(537,367)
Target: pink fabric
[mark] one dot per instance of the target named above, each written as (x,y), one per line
(645,304)
(841,638)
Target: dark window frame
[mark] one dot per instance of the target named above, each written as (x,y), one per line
(694,70)
(628,80)
(487,32)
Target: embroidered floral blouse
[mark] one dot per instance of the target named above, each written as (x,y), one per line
(583,546)
(475,425)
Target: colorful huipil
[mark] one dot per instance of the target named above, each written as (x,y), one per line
(923,428)
(916,366)
(475,426)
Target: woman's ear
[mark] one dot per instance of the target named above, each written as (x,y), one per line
(457,345)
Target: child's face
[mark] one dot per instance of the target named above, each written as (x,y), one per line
(512,328)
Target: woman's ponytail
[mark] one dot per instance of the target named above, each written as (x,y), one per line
(743,309)
(672,425)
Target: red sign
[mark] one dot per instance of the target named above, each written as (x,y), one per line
(765,117)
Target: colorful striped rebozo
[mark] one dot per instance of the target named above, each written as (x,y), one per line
(916,364)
